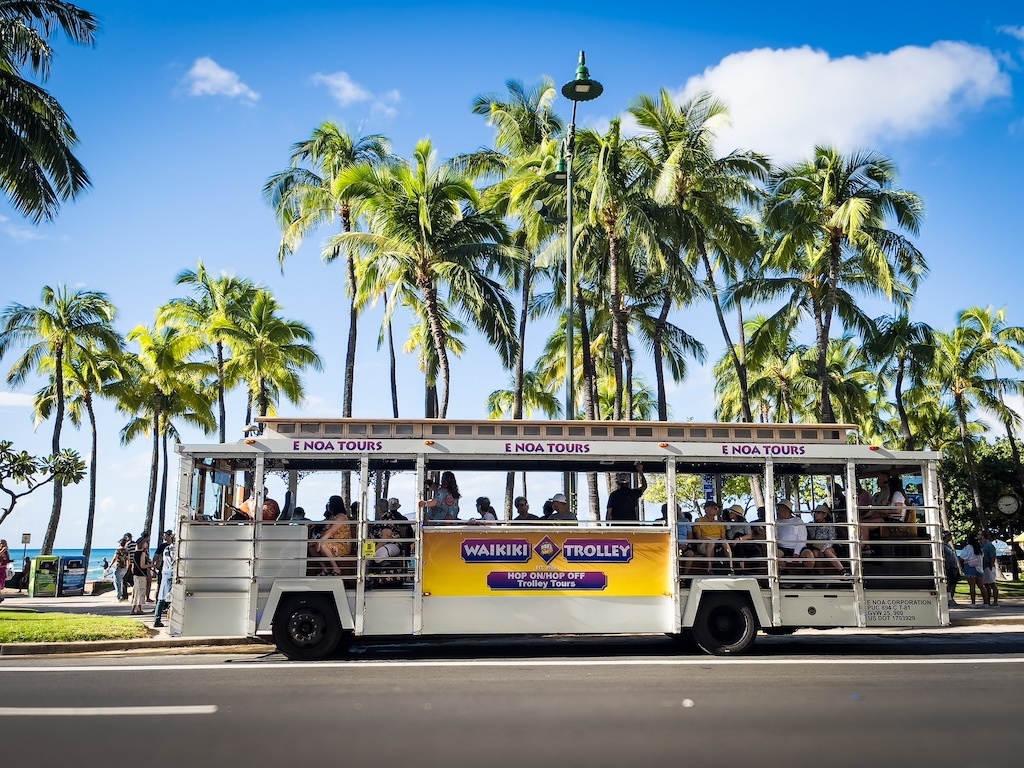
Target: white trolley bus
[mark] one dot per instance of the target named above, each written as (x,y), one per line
(252,577)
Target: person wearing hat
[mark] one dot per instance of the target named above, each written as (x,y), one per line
(624,502)
(952,563)
(792,540)
(561,507)
(711,532)
(821,536)
(739,534)
(394,504)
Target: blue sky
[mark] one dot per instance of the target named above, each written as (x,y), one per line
(185,108)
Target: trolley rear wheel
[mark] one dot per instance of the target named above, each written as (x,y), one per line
(306,627)
(725,625)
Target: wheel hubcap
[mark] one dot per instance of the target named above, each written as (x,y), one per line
(306,628)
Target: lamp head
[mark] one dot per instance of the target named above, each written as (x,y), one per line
(559,175)
(582,88)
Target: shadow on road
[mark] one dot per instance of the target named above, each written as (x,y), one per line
(806,643)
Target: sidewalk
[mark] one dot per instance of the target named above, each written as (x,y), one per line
(1008,616)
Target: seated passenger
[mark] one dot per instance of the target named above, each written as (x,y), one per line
(792,540)
(337,544)
(739,534)
(685,545)
(389,572)
(561,511)
(523,514)
(486,511)
(821,536)
(711,532)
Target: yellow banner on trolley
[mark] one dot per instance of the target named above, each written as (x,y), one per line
(474,562)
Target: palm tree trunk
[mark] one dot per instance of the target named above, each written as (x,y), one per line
(350,350)
(153,470)
(909,444)
(163,482)
(58,488)
(627,364)
(589,383)
(739,365)
(392,360)
(93,463)
(616,307)
(659,355)
(827,413)
(517,387)
(441,347)
(220,394)
(972,472)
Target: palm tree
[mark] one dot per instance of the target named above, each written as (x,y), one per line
(38,170)
(534,396)
(962,362)
(89,371)
(707,196)
(776,385)
(828,222)
(430,243)
(161,380)
(215,303)
(621,209)
(267,353)
(1007,347)
(903,351)
(308,198)
(64,323)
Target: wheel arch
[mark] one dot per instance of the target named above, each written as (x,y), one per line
(743,586)
(334,590)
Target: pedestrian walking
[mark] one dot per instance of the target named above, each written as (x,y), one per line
(141,565)
(952,566)
(163,595)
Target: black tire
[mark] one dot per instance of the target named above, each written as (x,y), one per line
(725,625)
(306,627)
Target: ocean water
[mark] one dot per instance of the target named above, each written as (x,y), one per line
(96,557)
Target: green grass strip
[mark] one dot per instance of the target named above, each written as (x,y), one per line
(18,626)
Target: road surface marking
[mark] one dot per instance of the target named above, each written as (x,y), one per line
(200,709)
(702,661)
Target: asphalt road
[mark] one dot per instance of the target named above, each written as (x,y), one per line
(815,700)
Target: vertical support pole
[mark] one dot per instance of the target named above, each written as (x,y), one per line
(417,589)
(856,564)
(257,532)
(671,520)
(361,538)
(771,540)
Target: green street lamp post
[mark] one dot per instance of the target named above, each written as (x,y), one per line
(580,89)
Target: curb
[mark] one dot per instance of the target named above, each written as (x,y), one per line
(188,645)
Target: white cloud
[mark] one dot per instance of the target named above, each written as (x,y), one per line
(15,400)
(783,102)
(17,232)
(346,92)
(208,78)
(1017,32)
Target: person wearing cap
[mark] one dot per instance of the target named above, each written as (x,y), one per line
(821,536)
(561,507)
(952,563)
(739,534)
(711,532)
(523,514)
(792,539)
(624,502)
(394,504)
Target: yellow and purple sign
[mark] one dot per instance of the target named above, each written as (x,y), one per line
(473,563)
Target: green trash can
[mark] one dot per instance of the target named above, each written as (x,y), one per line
(42,580)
